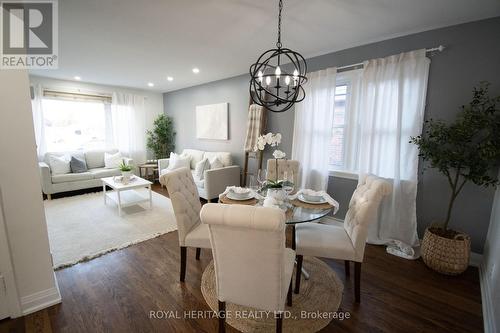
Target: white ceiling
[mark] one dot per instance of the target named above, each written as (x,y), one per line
(130,43)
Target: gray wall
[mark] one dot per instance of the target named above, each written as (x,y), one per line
(472,54)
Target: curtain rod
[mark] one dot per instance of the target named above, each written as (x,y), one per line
(359,65)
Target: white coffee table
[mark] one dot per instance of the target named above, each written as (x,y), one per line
(124,194)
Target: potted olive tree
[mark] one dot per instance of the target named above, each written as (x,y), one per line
(160,140)
(467,150)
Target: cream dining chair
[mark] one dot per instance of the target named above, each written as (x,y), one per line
(345,241)
(252,265)
(283,165)
(186,203)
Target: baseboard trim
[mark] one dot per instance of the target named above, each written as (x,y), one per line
(40,300)
(475,259)
(488,315)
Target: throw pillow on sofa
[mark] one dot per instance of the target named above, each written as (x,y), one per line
(59,165)
(201,166)
(78,165)
(215,163)
(224,157)
(112,161)
(177,161)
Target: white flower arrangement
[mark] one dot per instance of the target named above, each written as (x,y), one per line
(277,154)
(272,140)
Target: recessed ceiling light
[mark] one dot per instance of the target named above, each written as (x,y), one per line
(151,84)
(77,78)
(196,70)
(169,78)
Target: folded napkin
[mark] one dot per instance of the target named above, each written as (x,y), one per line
(237,189)
(325,196)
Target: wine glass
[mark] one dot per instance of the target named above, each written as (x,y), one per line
(288,184)
(261,177)
(252,182)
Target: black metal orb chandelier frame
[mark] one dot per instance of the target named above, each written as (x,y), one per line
(271,86)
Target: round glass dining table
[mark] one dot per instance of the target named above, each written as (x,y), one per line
(296,213)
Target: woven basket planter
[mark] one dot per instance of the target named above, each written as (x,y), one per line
(445,255)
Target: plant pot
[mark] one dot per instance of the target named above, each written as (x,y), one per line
(126,176)
(448,256)
(277,193)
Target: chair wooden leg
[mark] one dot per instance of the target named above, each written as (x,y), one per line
(222,317)
(298,273)
(198,251)
(289,295)
(357,280)
(183,263)
(347,264)
(294,245)
(279,323)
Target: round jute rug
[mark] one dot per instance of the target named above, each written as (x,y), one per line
(312,309)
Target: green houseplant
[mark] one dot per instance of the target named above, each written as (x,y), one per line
(160,140)
(467,150)
(126,170)
(125,167)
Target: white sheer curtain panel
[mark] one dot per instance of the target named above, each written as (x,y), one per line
(129,125)
(38,121)
(391,110)
(313,129)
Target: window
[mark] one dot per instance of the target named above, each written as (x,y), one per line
(343,144)
(72,125)
(337,142)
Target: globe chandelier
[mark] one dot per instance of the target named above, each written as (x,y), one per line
(278,76)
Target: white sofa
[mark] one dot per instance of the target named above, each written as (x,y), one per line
(214,181)
(56,183)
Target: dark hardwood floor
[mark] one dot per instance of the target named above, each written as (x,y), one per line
(117,291)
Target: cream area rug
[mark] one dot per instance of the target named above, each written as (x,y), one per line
(82,227)
(321,294)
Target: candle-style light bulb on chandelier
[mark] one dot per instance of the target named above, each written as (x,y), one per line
(278,76)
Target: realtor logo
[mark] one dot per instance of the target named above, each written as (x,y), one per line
(29,34)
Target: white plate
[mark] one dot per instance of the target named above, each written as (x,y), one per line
(301,198)
(230,195)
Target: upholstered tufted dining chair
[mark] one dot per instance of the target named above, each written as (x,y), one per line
(283,165)
(252,265)
(345,241)
(186,203)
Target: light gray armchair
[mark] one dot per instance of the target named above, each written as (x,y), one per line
(214,181)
